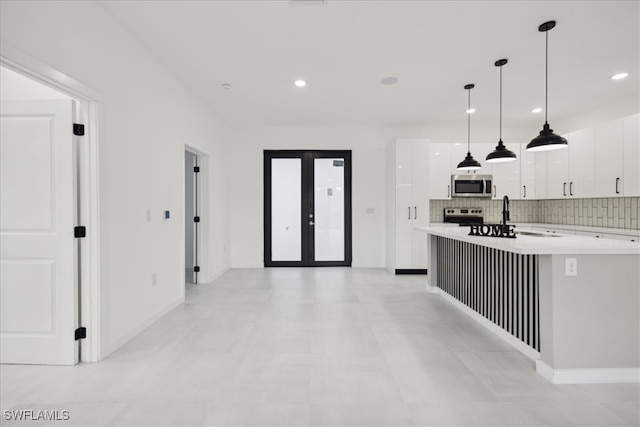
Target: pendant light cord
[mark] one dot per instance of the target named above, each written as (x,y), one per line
(546,75)
(501,103)
(469,123)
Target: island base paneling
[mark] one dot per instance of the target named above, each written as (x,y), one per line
(501,286)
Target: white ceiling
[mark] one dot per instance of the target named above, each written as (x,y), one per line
(343,49)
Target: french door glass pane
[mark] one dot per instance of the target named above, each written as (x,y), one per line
(286,190)
(329,209)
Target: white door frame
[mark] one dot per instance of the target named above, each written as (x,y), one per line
(88,174)
(202,195)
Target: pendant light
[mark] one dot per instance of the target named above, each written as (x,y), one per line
(501,154)
(547,140)
(469,163)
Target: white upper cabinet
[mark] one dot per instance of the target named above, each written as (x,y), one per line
(506,176)
(558,172)
(609,155)
(440,170)
(541,177)
(631,177)
(527,163)
(581,163)
(570,171)
(616,156)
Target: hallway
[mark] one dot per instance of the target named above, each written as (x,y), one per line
(321,347)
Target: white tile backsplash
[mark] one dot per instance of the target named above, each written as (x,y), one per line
(613,212)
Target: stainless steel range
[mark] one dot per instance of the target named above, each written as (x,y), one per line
(464,215)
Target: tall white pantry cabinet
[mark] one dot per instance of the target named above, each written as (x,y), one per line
(407,205)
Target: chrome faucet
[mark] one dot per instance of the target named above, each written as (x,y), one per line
(505,211)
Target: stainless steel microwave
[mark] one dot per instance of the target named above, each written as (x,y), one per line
(471,186)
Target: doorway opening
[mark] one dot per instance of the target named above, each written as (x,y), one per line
(307,208)
(195,209)
(50,228)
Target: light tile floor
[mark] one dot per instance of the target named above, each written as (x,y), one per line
(314,347)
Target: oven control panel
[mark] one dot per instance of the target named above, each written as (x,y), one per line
(463,215)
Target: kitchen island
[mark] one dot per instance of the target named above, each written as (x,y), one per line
(570,302)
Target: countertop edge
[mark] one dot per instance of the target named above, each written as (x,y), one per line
(526,245)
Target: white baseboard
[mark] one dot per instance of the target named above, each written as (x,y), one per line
(433,289)
(588,376)
(245,266)
(523,348)
(137,329)
(217,274)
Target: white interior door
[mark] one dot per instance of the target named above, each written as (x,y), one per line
(38,280)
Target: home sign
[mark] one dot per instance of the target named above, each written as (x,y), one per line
(493,230)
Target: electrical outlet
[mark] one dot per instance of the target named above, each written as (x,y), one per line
(148,215)
(154,279)
(570,267)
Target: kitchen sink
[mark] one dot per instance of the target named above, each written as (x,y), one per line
(534,234)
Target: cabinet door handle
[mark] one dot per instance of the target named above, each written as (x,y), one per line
(415,212)
(409,217)
(564,188)
(495,191)
(524,196)
(617,183)
(571,188)
(448,191)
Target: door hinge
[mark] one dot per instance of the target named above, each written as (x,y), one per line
(80,231)
(81,333)
(196,219)
(78,129)
(196,169)
(196,268)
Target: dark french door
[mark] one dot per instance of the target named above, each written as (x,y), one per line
(307,208)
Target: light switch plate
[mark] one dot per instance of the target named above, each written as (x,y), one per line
(570,267)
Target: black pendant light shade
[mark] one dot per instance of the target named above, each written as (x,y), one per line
(547,140)
(469,163)
(501,154)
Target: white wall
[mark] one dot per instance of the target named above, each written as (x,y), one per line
(145,118)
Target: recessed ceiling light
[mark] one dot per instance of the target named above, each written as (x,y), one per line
(388,81)
(619,76)
(536,110)
(226,86)
(471,111)
(300,83)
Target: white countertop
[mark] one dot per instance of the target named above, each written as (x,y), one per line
(560,244)
(587,228)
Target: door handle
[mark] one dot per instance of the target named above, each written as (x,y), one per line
(495,191)
(524,196)
(415,212)
(571,188)
(564,188)
(617,183)
(448,190)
